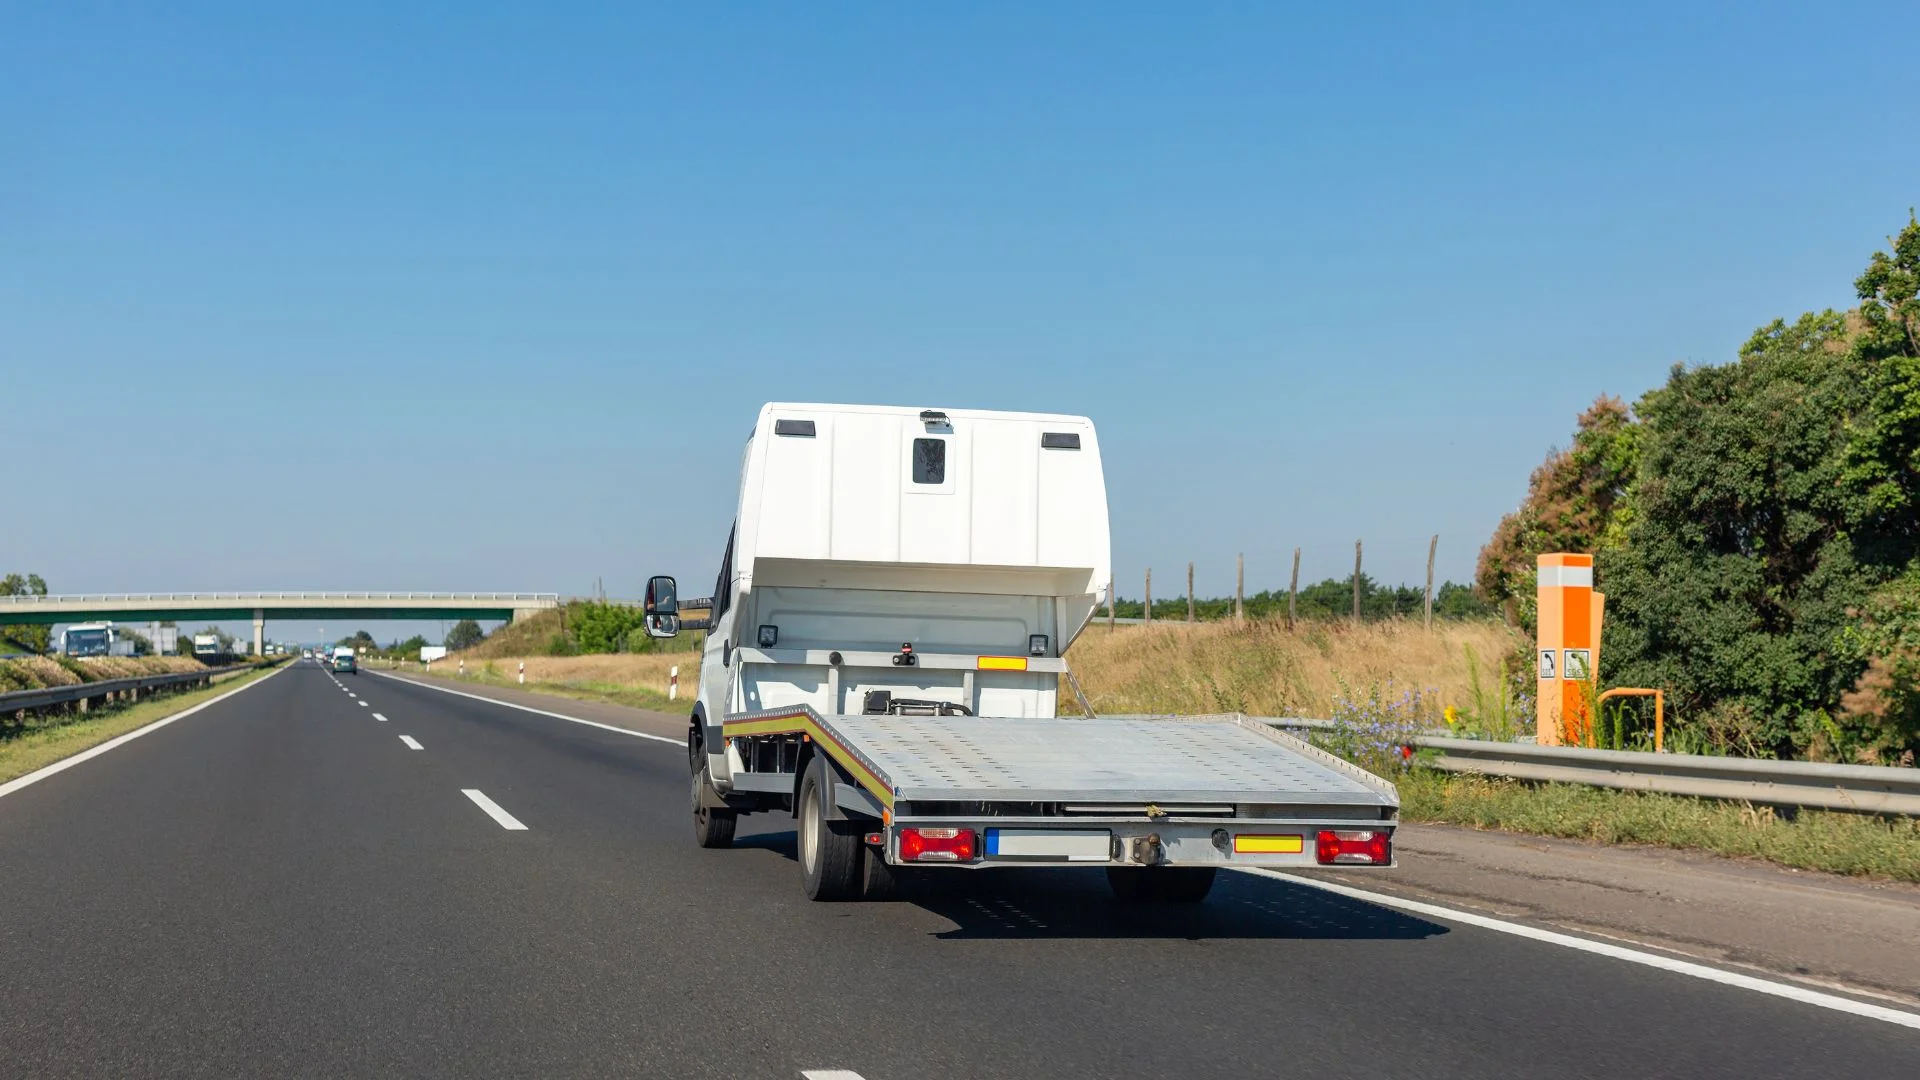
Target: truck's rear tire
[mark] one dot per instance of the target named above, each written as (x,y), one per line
(1160,884)
(830,851)
(712,826)
(880,879)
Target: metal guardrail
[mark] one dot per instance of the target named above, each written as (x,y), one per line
(1873,789)
(123,598)
(1870,789)
(48,696)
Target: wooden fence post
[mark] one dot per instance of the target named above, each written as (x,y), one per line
(1189,592)
(1146,615)
(1240,587)
(1293,589)
(1356,583)
(1432,546)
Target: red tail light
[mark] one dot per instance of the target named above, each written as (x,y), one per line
(1365,846)
(936,845)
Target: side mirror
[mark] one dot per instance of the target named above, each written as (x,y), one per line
(662,608)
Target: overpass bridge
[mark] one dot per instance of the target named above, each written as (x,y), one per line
(259,606)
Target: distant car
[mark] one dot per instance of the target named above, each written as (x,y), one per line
(343,660)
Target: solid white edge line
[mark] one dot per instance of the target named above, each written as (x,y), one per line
(412,743)
(65,763)
(1616,952)
(380,718)
(531,709)
(506,820)
(829,1074)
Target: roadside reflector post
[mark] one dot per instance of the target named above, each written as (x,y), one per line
(673,683)
(1566,649)
(523,673)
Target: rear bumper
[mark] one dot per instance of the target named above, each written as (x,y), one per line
(1229,842)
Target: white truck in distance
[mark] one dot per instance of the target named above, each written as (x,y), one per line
(887,636)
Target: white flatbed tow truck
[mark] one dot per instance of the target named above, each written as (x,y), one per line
(883,663)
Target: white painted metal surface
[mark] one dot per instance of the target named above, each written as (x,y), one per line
(849,494)
(981,759)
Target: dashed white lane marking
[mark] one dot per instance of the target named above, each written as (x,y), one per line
(413,745)
(829,1074)
(380,718)
(64,764)
(506,820)
(1616,952)
(363,704)
(537,712)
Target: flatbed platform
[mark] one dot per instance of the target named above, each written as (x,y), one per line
(1078,761)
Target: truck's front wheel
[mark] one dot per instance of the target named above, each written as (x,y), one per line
(1160,884)
(829,850)
(712,827)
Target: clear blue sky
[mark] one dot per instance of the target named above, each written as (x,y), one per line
(485,297)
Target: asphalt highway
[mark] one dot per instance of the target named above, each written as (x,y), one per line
(388,880)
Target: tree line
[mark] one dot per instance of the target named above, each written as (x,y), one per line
(1332,598)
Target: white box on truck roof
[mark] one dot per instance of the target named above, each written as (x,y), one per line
(1005,502)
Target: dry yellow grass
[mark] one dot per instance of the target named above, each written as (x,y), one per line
(1260,668)
(34,672)
(126,667)
(1264,670)
(645,670)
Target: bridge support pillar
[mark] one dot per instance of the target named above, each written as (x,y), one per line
(524,613)
(259,632)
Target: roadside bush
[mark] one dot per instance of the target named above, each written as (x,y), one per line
(1371,728)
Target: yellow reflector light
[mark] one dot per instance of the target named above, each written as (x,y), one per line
(1268,845)
(1003,663)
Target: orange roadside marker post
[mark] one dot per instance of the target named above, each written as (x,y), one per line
(1566,648)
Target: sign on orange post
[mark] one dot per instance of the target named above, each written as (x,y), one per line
(1567,648)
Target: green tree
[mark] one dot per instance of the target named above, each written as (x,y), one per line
(142,645)
(1881,714)
(465,635)
(1884,457)
(1573,503)
(32,638)
(600,627)
(1745,546)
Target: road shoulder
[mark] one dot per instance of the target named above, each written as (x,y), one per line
(1823,930)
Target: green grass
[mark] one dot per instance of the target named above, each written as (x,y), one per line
(637,697)
(50,737)
(1838,843)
